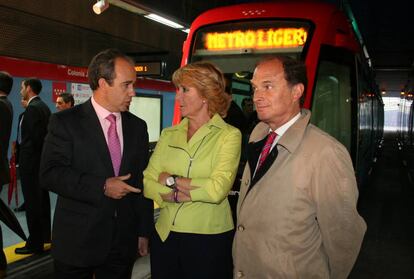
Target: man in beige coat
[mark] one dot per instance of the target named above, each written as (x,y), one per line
(297,214)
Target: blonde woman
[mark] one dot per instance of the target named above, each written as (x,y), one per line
(189,176)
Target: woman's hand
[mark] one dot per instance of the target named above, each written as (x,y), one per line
(169,197)
(183,185)
(181,197)
(163,177)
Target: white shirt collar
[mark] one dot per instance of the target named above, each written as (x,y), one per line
(28,102)
(282,129)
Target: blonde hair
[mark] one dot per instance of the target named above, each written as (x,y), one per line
(209,82)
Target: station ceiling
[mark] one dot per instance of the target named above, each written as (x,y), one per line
(68,32)
(386,28)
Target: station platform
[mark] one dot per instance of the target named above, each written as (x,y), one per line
(385,202)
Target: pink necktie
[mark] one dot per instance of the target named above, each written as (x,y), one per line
(266,148)
(113,144)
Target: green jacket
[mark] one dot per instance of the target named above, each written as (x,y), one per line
(210,158)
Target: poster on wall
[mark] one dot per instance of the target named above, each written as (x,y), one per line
(81,92)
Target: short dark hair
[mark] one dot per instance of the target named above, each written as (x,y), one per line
(295,69)
(6,82)
(67,98)
(103,66)
(34,83)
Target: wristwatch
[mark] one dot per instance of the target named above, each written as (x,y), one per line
(170,181)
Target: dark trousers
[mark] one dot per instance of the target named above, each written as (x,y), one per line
(37,205)
(189,256)
(3,260)
(113,268)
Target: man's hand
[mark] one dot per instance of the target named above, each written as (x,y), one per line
(143,246)
(116,188)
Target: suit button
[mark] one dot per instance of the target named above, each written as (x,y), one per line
(247,182)
(240,274)
(240,228)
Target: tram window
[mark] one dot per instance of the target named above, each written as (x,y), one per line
(237,46)
(148,108)
(331,105)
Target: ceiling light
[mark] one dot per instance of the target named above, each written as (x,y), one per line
(100,6)
(128,7)
(164,21)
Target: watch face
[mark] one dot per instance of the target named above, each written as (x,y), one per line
(170,181)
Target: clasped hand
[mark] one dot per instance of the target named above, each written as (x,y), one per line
(116,188)
(182,186)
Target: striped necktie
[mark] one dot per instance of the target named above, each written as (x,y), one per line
(266,148)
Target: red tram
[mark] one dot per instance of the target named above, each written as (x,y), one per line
(341,93)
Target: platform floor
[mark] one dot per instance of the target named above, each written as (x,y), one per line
(386,203)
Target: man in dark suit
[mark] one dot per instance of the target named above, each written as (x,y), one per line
(6,117)
(93,158)
(33,128)
(16,146)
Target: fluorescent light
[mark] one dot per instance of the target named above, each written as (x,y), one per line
(164,21)
(128,7)
(100,6)
(187,30)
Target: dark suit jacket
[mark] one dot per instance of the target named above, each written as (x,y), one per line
(18,138)
(6,117)
(75,164)
(33,132)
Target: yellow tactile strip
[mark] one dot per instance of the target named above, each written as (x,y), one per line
(13,257)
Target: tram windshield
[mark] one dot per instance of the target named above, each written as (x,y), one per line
(236,47)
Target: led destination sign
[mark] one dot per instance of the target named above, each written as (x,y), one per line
(256,39)
(149,68)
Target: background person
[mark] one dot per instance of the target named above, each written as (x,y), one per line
(33,129)
(93,158)
(64,101)
(194,230)
(16,145)
(250,114)
(297,215)
(6,118)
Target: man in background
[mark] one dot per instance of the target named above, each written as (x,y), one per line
(250,114)
(16,145)
(64,101)
(6,117)
(33,129)
(93,158)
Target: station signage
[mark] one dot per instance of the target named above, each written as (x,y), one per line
(256,39)
(150,68)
